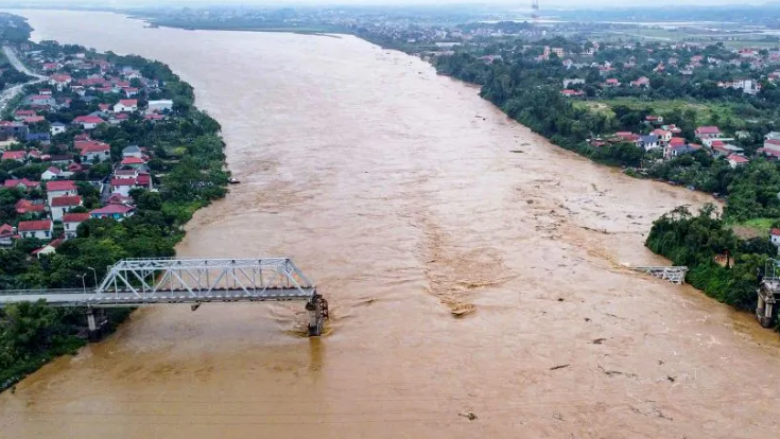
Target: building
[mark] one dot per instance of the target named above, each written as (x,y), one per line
(126,106)
(57,128)
(61,205)
(35,207)
(42,100)
(36,229)
(132,151)
(113,211)
(60,188)
(7,234)
(23,184)
(48,249)
(95,152)
(160,106)
(51,174)
(13,129)
(572,93)
(123,185)
(642,82)
(71,223)
(648,142)
(88,122)
(19,156)
(709,132)
(577,81)
(737,160)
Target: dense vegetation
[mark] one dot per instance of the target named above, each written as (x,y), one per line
(188,169)
(696,242)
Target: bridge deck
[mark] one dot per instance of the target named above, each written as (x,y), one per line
(90,298)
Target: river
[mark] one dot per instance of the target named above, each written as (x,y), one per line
(463,278)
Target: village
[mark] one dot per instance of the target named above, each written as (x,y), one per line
(55,170)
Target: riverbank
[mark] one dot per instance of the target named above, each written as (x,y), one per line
(160,160)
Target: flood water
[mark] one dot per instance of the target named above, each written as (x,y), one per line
(463,278)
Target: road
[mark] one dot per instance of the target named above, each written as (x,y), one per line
(8,94)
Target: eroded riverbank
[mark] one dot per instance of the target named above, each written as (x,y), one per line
(397,191)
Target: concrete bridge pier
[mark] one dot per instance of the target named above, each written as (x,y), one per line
(768,295)
(97,321)
(318,312)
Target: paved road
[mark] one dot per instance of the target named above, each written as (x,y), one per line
(8,94)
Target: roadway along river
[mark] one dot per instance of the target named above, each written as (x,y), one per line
(396,190)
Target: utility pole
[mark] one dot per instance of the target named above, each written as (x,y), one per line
(83,282)
(94,272)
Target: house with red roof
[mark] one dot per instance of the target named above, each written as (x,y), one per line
(25,206)
(664,136)
(23,184)
(572,93)
(19,156)
(774,236)
(626,136)
(612,82)
(88,122)
(773,144)
(36,229)
(7,234)
(51,174)
(131,91)
(33,119)
(120,199)
(23,114)
(50,66)
(133,162)
(71,223)
(94,152)
(60,80)
(42,100)
(642,82)
(61,205)
(60,188)
(123,185)
(48,249)
(707,132)
(737,160)
(126,106)
(113,211)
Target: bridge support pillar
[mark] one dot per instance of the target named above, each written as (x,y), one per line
(318,312)
(96,324)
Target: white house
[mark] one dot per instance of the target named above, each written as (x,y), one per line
(6,235)
(60,188)
(71,223)
(774,236)
(43,100)
(95,152)
(737,160)
(160,106)
(36,229)
(51,174)
(62,205)
(132,151)
(126,106)
(57,128)
(123,186)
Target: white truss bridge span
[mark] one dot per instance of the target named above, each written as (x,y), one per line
(146,282)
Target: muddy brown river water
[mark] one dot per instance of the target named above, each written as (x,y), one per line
(461,276)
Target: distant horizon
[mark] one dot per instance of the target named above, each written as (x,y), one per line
(518,5)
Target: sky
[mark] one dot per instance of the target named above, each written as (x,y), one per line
(521,4)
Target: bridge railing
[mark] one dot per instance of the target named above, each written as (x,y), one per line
(49,291)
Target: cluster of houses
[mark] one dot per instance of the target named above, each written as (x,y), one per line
(758,62)
(709,139)
(55,216)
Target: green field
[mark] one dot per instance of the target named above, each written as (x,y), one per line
(703,111)
(758,227)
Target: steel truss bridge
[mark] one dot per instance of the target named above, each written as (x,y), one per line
(146,282)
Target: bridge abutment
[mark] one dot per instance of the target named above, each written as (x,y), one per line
(97,321)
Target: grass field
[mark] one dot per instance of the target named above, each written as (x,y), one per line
(703,111)
(754,228)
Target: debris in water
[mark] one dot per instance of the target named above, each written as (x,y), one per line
(470,416)
(587,319)
(530,201)
(562,366)
(599,340)
(561,299)
(516,151)
(670,378)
